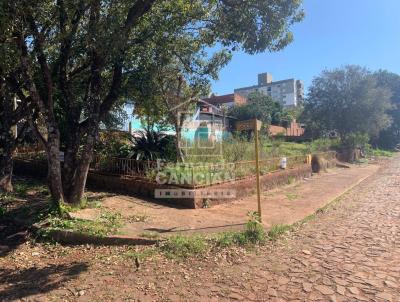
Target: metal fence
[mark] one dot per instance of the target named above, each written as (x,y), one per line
(190,174)
(122,166)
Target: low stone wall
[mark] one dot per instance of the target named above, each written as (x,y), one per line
(247,186)
(143,188)
(241,188)
(135,186)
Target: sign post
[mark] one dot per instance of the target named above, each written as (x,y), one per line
(256,126)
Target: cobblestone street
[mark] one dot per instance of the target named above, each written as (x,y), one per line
(351,252)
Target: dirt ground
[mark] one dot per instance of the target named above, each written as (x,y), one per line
(285,205)
(349,253)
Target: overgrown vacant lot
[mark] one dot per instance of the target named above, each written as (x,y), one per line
(348,252)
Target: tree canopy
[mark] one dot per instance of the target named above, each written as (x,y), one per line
(390,138)
(74,59)
(347,100)
(263,108)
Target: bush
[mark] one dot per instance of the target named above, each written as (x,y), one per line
(356,140)
(324,144)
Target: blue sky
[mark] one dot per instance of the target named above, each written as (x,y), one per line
(334,33)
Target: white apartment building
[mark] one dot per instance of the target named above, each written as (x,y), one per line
(288,92)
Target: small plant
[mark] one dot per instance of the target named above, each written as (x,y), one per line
(278,230)
(254,231)
(291,180)
(228,239)
(137,218)
(2,211)
(184,246)
(292,196)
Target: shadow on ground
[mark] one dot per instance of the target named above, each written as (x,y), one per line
(19,284)
(22,209)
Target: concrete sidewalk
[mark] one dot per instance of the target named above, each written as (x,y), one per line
(285,205)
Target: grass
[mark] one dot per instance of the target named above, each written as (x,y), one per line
(85,203)
(137,218)
(292,196)
(381,152)
(184,246)
(142,254)
(278,230)
(107,224)
(150,235)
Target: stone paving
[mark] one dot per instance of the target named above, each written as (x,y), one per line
(351,252)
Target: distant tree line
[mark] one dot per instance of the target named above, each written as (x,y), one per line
(354,103)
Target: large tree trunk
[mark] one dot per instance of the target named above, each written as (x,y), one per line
(6,169)
(54,167)
(78,182)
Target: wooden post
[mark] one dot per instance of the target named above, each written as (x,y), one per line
(257,168)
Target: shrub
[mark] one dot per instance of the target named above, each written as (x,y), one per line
(356,140)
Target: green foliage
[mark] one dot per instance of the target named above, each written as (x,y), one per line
(2,211)
(390,138)
(150,235)
(292,196)
(141,254)
(381,152)
(254,233)
(113,144)
(278,230)
(347,100)
(180,246)
(263,108)
(355,140)
(83,60)
(85,203)
(324,144)
(107,224)
(150,145)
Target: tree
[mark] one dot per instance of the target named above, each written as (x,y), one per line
(10,116)
(75,57)
(263,108)
(347,100)
(13,114)
(390,137)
